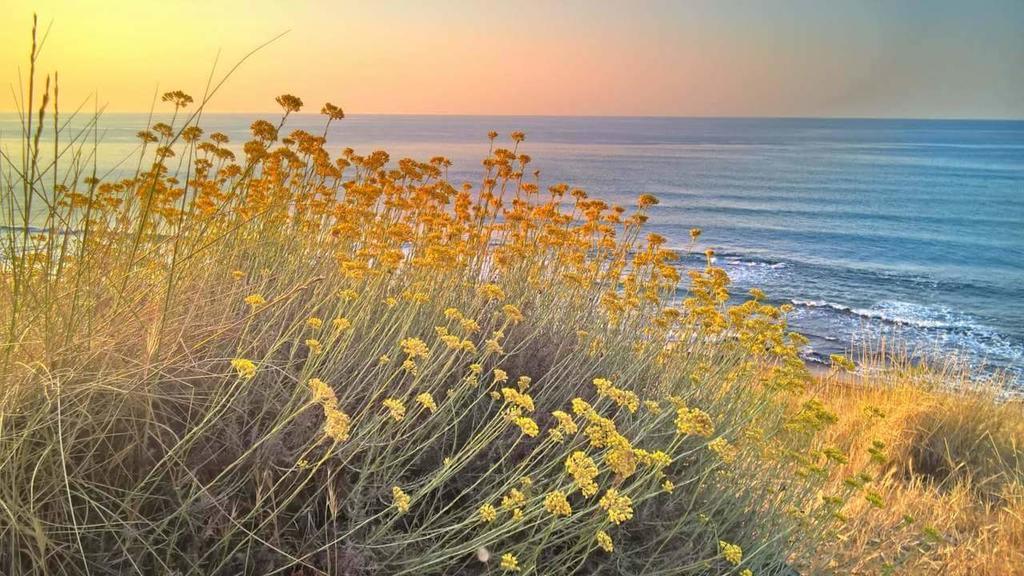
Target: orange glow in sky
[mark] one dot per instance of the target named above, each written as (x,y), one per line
(585,57)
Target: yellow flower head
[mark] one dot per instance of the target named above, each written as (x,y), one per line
(527,425)
(732,553)
(581,407)
(395,408)
(322,391)
(509,562)
(255,300)
(583,471)
(491,292)
(619,507)
(427,401)
(487,513)
(557,504)
(415,348)
(400,499)
(566,424)
(514,499)
(341,324)
(512,313)
(337,423)
(409,366)
(726,451)
(604,541)
(245,368)
(518,398)
(694,421)
(500,376)
(314,346)
(523,383)
(314,323)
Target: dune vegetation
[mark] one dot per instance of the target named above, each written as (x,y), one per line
(264,358)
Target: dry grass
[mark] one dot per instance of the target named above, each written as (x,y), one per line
(953,483)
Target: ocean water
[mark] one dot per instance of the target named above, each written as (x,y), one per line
(906,228)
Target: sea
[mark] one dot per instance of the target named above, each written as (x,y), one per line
(907,230)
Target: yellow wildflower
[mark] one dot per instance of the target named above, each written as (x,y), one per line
(512,313)
(523,383)
(500,376)
(415,348)
(488,513)
(694,421)
(255,300)
(518,398)
(527,425)
(469,325)
(667,485)
(314,323)
(338,423)
(720,446)
(396,408)
(566,424)
(604,541)
(514,499)
(491,292)
(557,504)
(732,553)
(581,407)
(427,401)
(619,507)
(322,392)
(341,324)
(400,499)
(245,368)
(509,563)
(314,346)
(621,461)
(410,367)
(583,471)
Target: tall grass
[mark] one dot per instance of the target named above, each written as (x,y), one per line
(265,359)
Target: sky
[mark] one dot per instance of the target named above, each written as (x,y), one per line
(806,58)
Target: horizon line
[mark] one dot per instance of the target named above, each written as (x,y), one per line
(584,116)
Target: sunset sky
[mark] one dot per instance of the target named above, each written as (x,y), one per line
(587,57)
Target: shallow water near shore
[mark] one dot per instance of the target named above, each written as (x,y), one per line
(905,228)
